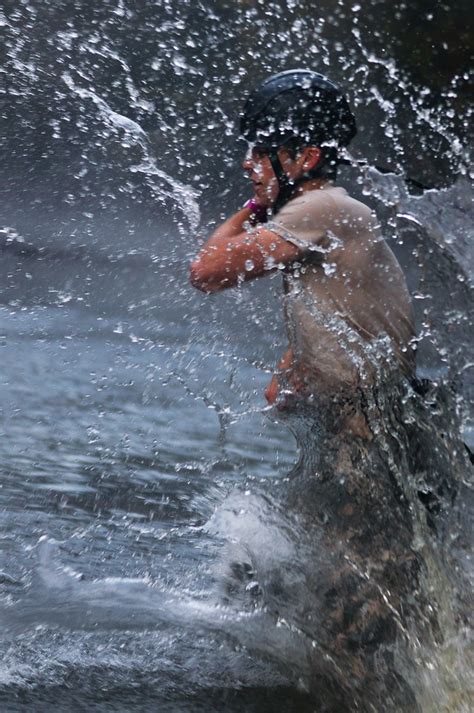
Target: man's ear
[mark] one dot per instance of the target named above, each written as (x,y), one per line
(311,156)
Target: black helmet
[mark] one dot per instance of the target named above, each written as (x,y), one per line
(298,107)
(298,104)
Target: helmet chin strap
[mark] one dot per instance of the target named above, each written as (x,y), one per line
(286,186)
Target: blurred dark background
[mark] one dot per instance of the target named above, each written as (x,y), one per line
(181,71)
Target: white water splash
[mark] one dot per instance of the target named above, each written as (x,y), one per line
(183,195)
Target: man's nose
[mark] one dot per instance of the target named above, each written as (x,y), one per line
(247,163)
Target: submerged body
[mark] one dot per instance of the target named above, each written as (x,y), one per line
(355,565)
(364,579)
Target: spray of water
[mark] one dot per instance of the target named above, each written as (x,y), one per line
(344,575)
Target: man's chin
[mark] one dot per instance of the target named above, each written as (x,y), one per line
(263,200)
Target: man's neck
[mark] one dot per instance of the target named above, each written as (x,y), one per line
(311,184)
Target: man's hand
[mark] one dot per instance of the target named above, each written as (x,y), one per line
(273,388)
(297,384)
(258,212)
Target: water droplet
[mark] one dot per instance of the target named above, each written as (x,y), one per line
(329,268)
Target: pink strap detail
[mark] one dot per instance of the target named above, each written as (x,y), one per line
(259,212)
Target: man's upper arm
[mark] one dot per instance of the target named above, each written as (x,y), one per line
(242,257)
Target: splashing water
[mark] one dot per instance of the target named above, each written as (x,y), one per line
(195,566)
(133,135)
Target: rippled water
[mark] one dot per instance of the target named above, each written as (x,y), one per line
(113,447)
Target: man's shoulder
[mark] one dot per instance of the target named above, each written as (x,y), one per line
(327,195)
(351,210)
(342,197)
(320,205)
(313,200)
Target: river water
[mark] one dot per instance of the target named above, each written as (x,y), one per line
(155,552)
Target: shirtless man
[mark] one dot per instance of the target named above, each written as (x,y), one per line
(347,306)
(350,328)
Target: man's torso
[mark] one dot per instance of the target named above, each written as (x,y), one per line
(346,301)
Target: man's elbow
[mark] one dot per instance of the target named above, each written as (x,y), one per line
(202,279)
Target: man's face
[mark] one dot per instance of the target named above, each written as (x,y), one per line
(265,185)
(259,167)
